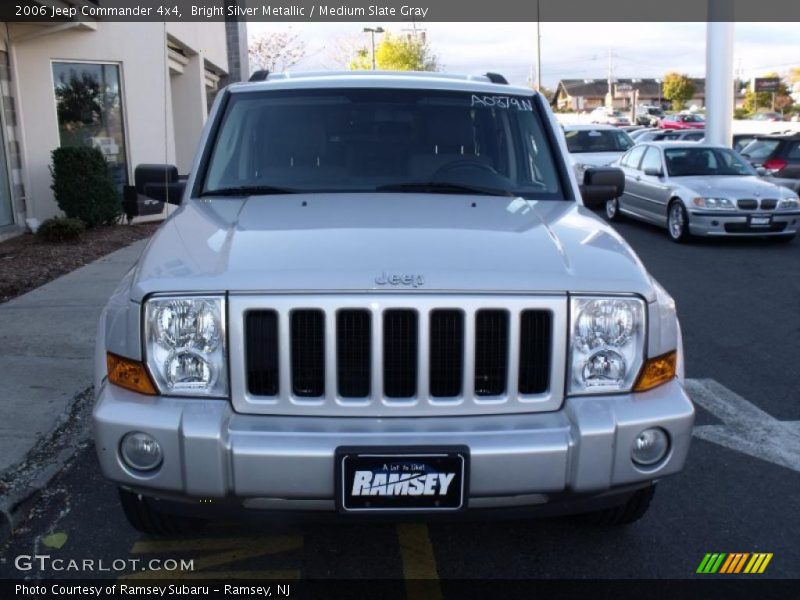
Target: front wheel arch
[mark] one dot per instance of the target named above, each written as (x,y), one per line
(683,235)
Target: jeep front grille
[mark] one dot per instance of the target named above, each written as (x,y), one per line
(419,355)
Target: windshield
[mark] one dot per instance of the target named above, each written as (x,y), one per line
(692,119)
(597,140)
(366,140)
(687,162)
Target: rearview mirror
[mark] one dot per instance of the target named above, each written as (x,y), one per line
(601,184)
(159,182)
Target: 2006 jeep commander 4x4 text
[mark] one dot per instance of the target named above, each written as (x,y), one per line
(383,292)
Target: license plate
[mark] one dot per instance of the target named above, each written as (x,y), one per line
(390,481)
(759,221)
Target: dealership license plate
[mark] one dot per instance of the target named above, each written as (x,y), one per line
(370,480)
(760,221)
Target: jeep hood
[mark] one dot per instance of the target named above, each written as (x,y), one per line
(345,242)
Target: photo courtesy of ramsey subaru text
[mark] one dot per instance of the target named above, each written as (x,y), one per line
(386,293)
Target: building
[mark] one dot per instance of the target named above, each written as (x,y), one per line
(587,94)
(139,92)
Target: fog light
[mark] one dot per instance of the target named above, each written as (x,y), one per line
(140,451)
(650,446)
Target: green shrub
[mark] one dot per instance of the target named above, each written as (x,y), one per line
(60,229)
(741,113)
(83,186)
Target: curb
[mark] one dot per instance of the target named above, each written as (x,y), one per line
(49,456)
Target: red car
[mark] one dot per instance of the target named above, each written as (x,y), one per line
(682,122)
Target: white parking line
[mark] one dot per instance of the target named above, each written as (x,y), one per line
(747,428)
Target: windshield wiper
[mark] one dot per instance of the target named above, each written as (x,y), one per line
(248,190)
(438,187)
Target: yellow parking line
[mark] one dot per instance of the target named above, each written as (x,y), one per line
(419,563)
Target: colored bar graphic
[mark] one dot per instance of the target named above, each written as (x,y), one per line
(734,562)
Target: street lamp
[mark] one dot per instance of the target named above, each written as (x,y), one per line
(659,92)
(373,31)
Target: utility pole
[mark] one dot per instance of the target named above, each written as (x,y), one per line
(372,31)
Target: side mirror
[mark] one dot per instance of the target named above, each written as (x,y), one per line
(761,171)
(159,182)
(601,184)
(653,172)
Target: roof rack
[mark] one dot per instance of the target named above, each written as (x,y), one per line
(260,75)
(497,78)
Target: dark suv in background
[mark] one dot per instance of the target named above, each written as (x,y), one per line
(779,156)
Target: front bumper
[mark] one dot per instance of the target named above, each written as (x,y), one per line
(736,223)
(258,461)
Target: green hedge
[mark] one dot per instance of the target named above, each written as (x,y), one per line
(83,186)
(60,229)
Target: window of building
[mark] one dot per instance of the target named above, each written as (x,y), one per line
(6,213)
(89,107)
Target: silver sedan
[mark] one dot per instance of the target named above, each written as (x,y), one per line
(702,189)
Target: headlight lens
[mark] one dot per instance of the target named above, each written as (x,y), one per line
(714,203)
(789,203)
(607,344)
(185,345)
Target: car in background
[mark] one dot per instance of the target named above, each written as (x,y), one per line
(629,129)
(609,116)
(649,115)
(682,121)
(778,156)
(639,133)
(594,146)
(674,135)
(702,189)
(767,116)
(740,140)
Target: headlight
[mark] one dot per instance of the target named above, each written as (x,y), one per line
(607,344)
(185,345)
(789,203)
(714,203)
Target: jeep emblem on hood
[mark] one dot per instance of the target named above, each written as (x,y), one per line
(406,279)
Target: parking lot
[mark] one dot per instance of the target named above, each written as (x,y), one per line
(739,303)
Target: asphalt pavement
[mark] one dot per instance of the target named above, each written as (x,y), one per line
(739,304)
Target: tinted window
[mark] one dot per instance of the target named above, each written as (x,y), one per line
(360,140)
(687,162)
(652,159)
(597,140)
(794,151)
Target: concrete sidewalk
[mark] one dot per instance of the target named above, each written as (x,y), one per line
(47,339)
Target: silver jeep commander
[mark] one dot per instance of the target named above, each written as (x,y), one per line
(383,293)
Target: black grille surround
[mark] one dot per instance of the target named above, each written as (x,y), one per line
(353,352)
(400,347)
(261,352)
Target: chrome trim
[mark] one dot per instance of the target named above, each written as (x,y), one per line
(285,403)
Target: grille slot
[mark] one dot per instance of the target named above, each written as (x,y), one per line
(308,353)
(446,353)
(769,204)
(400,348)
(747,204)
(491,352)
(534,351)
(261,349)
(353,352)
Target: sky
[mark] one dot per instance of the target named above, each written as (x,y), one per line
(569,50)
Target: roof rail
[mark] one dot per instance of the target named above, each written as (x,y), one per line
(497,78)
(260,75)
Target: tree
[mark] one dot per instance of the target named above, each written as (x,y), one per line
(276,51)
(678,89)
(754,101)
(397,53)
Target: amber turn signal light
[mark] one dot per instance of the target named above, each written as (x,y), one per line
(656,371)
(129,374)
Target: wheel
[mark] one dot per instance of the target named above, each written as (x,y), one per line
(612,210)
(677,222)
(624,514)
(144,517)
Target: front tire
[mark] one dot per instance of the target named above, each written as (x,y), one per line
(144,517)
(624,514)
(677,222)
(612,210)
